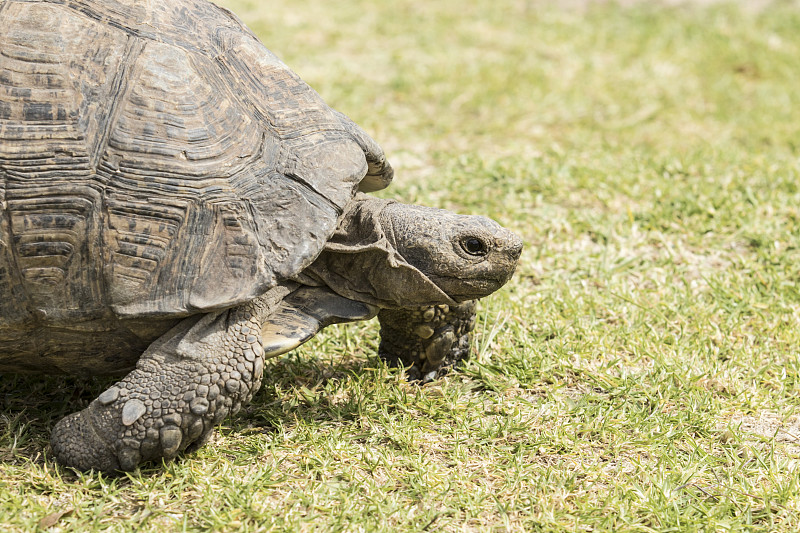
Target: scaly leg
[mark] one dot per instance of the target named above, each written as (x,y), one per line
(185,383)
(429,340)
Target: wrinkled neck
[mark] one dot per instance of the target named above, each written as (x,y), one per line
(361,261)
(386,222)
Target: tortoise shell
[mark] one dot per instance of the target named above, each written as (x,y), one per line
(157,160)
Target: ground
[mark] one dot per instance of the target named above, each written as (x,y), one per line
(641,371)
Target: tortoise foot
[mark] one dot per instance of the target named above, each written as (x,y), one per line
(76,443)
(427,340)
(142,419)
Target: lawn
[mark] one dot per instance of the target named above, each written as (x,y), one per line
(641,371)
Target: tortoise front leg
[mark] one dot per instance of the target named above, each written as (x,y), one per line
(429,340)
(184,384)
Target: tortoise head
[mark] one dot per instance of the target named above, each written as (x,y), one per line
(397,256)
(467,257)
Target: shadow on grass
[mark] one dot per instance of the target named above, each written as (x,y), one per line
(311,391)
(291,390)
(32,404)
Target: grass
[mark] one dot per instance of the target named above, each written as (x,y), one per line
(641,371)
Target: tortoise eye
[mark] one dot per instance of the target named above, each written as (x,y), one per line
(474,246)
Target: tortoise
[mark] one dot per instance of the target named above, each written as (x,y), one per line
(177,205)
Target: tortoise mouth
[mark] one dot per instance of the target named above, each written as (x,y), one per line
(461,290)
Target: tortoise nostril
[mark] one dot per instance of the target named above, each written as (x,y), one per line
(515,248)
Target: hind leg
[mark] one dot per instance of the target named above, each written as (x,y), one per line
(184,384)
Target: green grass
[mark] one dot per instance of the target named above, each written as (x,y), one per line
(640,373)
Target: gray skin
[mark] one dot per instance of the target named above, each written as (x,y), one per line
(465,256)
(208,365)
